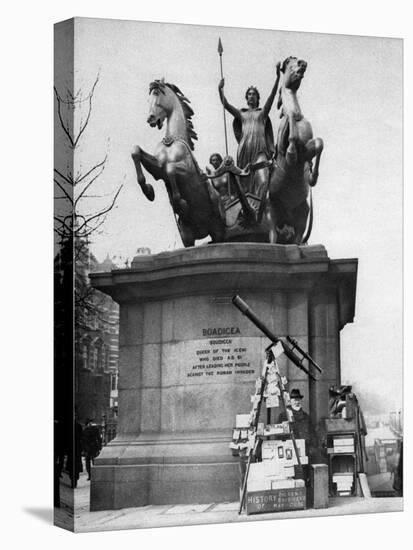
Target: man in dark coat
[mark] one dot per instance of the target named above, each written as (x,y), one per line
(301,424)
(92,443)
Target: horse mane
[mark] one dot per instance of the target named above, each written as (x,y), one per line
(188,112)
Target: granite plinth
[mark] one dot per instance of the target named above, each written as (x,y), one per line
(189,360)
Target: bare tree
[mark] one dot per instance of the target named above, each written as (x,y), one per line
(73,228)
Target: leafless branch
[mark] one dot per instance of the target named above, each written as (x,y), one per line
(77,228)
(74,139)
(89,185)
(59,232)
(78,180)
(94,228)
(68,179)
(62,222)
(108,209)
(73,97)
(59,114)
(103,196)
(67,196)
(84,125)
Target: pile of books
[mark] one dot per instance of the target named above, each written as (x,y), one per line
(344,483)
(276,470)
(342,444)
(271,475)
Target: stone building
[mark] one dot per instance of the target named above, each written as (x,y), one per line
(96,345)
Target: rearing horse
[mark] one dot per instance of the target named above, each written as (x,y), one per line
(193,198)
(293,173)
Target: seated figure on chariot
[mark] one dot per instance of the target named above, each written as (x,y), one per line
(222,179)
(254,134)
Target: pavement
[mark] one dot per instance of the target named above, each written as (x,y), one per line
(192,514)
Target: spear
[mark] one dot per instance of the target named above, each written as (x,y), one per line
(220,51)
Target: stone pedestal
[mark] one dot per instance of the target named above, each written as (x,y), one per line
(189,360)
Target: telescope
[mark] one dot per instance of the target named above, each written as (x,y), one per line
(290,346)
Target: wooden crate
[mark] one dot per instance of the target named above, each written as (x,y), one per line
(276,500)
(340,425)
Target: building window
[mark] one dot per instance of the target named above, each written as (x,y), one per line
(99,357)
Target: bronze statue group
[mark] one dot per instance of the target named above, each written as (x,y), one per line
(271,179)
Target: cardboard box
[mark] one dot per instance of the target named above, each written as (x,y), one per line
(287,483)
(289,471)
(299,483)
(265,469)
(282,484)
(344,483)
(259,484)
(343,477)
(242,420)
(343,440)
(340,425)
(343,449)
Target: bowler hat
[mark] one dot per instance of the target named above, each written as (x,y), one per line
(295,394)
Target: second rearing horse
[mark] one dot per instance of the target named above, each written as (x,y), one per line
(293,173)
(194,200)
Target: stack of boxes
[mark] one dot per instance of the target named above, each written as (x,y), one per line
(342,444)
(342,463)
(344,483)
(276,471)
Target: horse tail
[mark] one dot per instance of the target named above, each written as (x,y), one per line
(310,220)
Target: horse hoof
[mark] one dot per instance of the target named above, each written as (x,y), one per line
(149,192)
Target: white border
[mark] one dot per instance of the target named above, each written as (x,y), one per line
(26,229)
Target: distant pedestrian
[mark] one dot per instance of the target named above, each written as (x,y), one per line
(74,456)
(92,443)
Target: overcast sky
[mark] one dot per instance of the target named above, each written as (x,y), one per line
(352,95)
